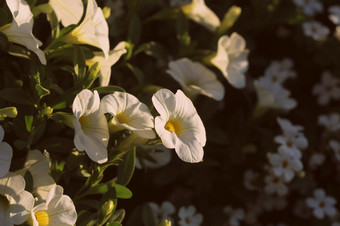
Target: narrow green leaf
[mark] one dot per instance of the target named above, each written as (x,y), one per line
(28,122)
(41,91)
(229,20)
(122,192)
(114,224)
(79,63)
(125,170)
(118,216)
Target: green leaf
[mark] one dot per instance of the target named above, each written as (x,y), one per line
(79,63)
(19,51)
(229,20)
(125,170)
(29,122)
(148,215)
(67,30)
(135,28)
(108,89)
(91,75)
(137,73)
(122,192)
(117,216)
(41,91)
(43,8)
(17,96)
(114,224)
(65,99)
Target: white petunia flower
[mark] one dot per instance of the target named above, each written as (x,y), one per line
(309,7)
(68,12)
(189,217)
(159,159)
(234,215)
(315,30)
(20,30)
(179,126)
(128,113)
(93,30)
(15,202)
(275,185)
(232,59)
(58,209)
(106,64)
(201,14)
(249,179)
(285,166)
(195,78)
(162,212)
(279,71)
(334,14)
(328,89)
(321,204)
(6,154)
(331,121)
(91,128)
(317,159)
(335,146)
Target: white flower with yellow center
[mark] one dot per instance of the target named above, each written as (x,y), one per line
(196,78)
(232,59)
(201,14)
(315,30)
(179,126)
(57,210)
(93,30)
(128,113)
(162,212)
(68,12)
(15,202)
(106,64)
(327,89)
(189,217)
(91,128)
(6,154)
(20,30)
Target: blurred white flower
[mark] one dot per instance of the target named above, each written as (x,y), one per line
(162,212)
(317,159)
(315,30)
(159,158)
(91,127)
(20,30)
(334,14)
(201,14)
(106,64)
(275,185)
(249,179)
(189,217)
(15,202)
(309,7)
(93,30)
(336,223)
(179,126)
(232,59)
(285,166)
(58,209)
(321,204)
(234,215)
(331,122)
(279,71)
(6,154)
(335,146)
(128,113)
(328,89)
(195,78)
(68,12)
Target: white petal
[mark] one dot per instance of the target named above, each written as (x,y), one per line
(68,12)
(6,154)
(85,103)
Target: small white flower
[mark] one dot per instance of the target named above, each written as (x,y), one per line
(58,209)
(163,212)
(249,179)
(20,30)
(315,30)
(279,71)
(196,78)
(275,185)
(317,159)
(234,215)
(334,14)
(331,121)
(321,204)
(91,127)
(285,166)
(68,12)
(6,154)
(309,7)
(159,158)
(179,126)
(232,59)
(328,89)
(128,113)
(189,217)
(335,146)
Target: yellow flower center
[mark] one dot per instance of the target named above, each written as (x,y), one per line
(42,218)
(174,125)
(84,122)
(122,118)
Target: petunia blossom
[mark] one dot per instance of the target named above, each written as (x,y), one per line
(6,154)
(68,12)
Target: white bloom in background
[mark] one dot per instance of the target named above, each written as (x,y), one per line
(159,159)
(275,185)
(195,78)
(128,113)
(6,154)
(309,7)
(162,212)
(93,30)
(189,217)
(91,127)
(317,159)
(58,209)
(15,202)
(334,14)
(106,64)
(331,121)
(279,71)
(117,9)
(335,146)
(285,166)
(179,126)
(201,14)
(68,12)
(249,179)
(20,30)
(328,89)
(234,215)
(232,59)
(321,204)
(315,30)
